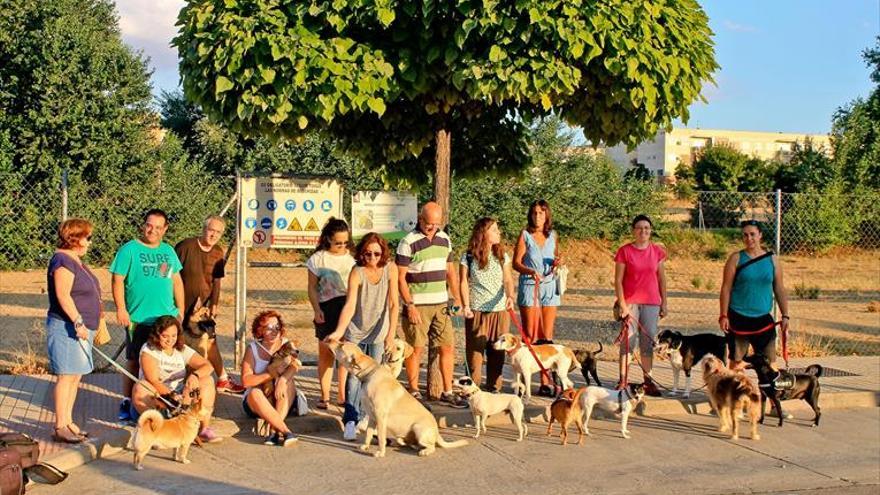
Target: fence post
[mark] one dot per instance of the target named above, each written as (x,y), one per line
(239,318)
(778,221)
(64,194)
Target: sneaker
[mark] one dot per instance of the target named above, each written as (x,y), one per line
(227,385)
(208,435)
(652,390)
(270,439)
(285,439)
(125,410)
(452,400)
(350,433)
(785,414)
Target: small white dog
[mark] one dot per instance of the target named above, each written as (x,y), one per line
(622,402)
(484,404)
(554,357)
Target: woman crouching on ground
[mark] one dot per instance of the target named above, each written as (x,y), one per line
(268,332)
(164,360)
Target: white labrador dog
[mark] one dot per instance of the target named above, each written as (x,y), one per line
(392,411)
(484,404)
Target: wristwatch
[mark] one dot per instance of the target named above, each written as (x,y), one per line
(78,322)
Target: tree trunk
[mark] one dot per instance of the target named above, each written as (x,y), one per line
(441,195)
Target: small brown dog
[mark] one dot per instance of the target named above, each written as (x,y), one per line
(729,392)
(286,355)
(177,433)
(565,410)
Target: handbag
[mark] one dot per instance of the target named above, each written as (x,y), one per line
(102,335)
(561,279)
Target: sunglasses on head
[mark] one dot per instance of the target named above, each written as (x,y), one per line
(748,223)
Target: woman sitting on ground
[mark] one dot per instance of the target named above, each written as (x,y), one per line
(268,332)
(164,361)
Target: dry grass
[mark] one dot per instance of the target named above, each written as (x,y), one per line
(804,344)
(874,307)
(28,361)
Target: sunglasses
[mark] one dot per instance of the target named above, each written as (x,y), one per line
(372,254)
(274,327)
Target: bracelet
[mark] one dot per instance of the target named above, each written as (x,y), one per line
(785,317)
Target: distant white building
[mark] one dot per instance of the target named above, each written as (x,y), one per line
(667,150)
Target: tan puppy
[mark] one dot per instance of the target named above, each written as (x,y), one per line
(391,410)
(177,433)
(394,357)
(730,392)
(566,409)
(200,329)
(286,355)
(554,357)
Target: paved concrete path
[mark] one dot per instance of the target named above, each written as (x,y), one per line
(672,454)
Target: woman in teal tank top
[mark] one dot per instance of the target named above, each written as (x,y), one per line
(747,294)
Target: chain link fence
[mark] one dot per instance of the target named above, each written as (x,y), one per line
(829,247)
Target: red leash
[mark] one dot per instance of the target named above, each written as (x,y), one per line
(528,342)
(745,333)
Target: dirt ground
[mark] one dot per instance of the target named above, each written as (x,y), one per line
(838,321)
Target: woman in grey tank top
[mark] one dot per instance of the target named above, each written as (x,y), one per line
(369,317)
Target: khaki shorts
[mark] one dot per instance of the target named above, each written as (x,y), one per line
(435,330)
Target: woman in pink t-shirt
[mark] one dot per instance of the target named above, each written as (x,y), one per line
(640,286)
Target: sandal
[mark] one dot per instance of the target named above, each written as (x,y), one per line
(416,394)
(322,403)
(78,431)
(70,437)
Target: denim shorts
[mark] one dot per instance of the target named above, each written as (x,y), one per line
(66,355)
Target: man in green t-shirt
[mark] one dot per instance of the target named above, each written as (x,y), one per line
(146,285)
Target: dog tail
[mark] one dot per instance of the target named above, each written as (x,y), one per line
(745,388)
(575,365)
(450,445)
(600,349)
(151,419)
(815,370)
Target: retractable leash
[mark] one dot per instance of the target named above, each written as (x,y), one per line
(125,372)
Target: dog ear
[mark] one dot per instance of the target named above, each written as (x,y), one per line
(197,305)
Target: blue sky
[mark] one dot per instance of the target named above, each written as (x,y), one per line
(786,65)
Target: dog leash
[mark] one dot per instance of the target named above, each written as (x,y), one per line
(527,342)
(624,336)
(784,336)
(125,372)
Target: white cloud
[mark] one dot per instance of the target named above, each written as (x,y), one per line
(148,25)
(739,28)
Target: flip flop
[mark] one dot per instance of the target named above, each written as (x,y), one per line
(322,403)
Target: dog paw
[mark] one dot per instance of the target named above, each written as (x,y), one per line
(626,436)
(186,461)
(756,437)
(139,467)
(477,435)
(379,453)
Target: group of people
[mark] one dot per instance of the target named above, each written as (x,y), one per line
(357,294)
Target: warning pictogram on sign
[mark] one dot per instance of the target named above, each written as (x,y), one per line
(259,237)
(294,225)
(312,225)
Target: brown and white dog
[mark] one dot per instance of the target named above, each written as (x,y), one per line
(392,411)
(286,355)
(729,392)
(484,404)
(554,357)
(566,409)
(199,328)
(177,433)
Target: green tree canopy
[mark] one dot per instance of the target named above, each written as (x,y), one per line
(719,168)
(393,80)
(72,95)
(855,132)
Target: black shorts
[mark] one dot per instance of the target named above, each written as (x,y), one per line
(331,308)
(763,343)
(251,414)
(133,343)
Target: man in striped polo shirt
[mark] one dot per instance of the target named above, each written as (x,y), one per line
(426,270)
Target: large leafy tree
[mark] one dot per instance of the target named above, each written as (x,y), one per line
(399,81)
(855,133)
(72,95)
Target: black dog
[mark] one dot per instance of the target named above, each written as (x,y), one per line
(588,361)
(685,351)
(782,385)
